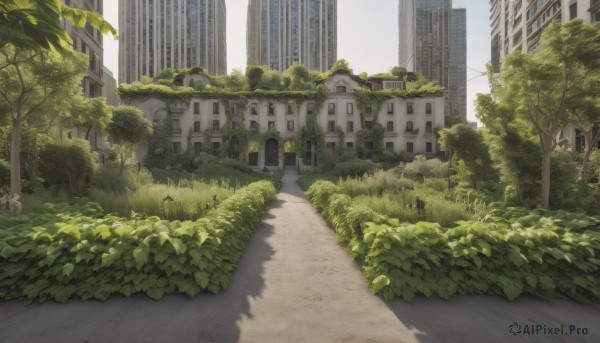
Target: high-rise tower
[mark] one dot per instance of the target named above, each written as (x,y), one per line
(159,34)
(286,32)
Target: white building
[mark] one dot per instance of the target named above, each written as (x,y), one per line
(177,34)
(410,124)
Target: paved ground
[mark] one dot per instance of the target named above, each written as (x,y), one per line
(293,284)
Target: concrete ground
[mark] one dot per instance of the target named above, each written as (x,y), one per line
(294,283)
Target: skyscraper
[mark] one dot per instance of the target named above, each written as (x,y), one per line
(518,25)
(159,34)
(286,32)
(428,34)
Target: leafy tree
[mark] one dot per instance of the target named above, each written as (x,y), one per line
(541,85)
(90,113)
(35,24)
(127,128)
(341,64)
(36,87)
(237,81)
(69,166)
(254,75)
(468,150)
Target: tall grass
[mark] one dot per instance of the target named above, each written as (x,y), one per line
(191,199)
(403,206)
(376,183)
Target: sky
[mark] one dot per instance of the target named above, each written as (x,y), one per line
(367,38)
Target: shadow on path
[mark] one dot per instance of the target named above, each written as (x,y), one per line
(175,318)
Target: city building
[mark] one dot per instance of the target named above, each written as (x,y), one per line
(285,32)
(177,34)
(109,91)
(433,42)
(88,40)
(518,26)
(203,124)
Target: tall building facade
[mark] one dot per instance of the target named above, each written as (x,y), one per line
(159,34)
(518,25)
(88,40)
(285,32)
(457,69)
(428,34)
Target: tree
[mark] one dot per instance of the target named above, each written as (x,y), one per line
(90,113)
(341,64)
(254,75)
(127,128)
(35,24)
(541,85)
(236,81)
(36,87)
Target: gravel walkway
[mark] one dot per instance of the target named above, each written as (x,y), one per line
(294,283)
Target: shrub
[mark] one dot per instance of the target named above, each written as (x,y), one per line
(236,164)
(110,179)
(354,168)
(4,175)
(306,180)
(68,167)
(59,257)
(421,168)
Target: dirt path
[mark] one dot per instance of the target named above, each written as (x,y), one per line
(293,284)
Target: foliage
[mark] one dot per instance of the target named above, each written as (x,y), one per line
(49,256)
(127,128)
(495,258)
(421,168)
(4,176)
(68,167)
(353,168)
(90,113)
(375,183)
(190,199)
(110,179)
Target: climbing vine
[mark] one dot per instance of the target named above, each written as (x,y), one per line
(311,132)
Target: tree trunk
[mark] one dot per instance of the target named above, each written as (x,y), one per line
(546,169)
(15,158)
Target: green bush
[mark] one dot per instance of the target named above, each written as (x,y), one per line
(306,180)
(67,167)
(110,179)
(421,168)
(236,164)
(87,257)
(523,255)
(4,175)
(354,168)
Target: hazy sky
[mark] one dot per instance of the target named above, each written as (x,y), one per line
(367,38)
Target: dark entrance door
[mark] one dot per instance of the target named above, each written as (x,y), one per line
(272,153)
(290,159)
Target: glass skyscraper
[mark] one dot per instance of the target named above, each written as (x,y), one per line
(159,34)
(286,32)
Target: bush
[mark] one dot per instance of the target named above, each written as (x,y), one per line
(110,179)
(389,159)
(4,175)
(67,167)
(421,168)
(523,255)
(58,258)
(236,164)
(353,168)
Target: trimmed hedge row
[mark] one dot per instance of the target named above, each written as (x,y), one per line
(96,257)
(402,260)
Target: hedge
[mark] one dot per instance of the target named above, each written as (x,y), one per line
(547,259)
(94,257)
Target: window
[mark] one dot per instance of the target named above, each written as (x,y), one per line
(215,125)
(254,109)
(175,125)
(290,109)
(290,125)
(341,89)
(176,148)
(349,108)
(271,125)
(233,109)
(368,124)
(331,109)
(254,124)
(390,126)
(214,149)
(196,126)
(428,127)
(428,147)
(271,109)
(197,148)
(573,11)
(409,147)
(409,126)
(409,107)
(428,108)
(390,108)
(389,146)
(215,108)
(368,110)
(196,108)
(310,108)
(235,124)
(350,145)
(350,126)
(331,126)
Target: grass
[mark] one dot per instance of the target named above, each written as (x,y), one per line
(191,199)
